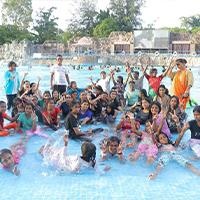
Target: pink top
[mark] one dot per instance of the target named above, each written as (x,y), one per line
(146,139)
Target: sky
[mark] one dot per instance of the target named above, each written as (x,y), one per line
(162,13)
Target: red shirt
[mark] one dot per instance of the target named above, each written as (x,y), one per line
(4,115)
(52,115)
(154,82)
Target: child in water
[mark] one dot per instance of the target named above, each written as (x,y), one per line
(169,152)
(74,163)
(9,158)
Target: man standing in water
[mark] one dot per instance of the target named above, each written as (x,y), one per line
(61,75)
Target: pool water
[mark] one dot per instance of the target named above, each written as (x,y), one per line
(123,181)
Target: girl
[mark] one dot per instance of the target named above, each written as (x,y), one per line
(12,83)
(75,163)
(73,87)
(194,126)
(86,114)
(113,99)
(37,92)
(4,129)
(126,125)
(169,152)
(46,96)
(72,122)
(147,145)
(175,111)
(109,115)
(112,147)
(155,115)
(9,158)
(162,98)
(55,96)
(143,114)
(52,115)
(17,103)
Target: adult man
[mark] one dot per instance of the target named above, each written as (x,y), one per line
(61,75)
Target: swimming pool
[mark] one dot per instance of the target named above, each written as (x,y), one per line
(121,182)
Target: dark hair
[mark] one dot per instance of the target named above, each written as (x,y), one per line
(121,78)
(84,101)
(161,86)
(73,102)
(59,55)
(129,111)
(113,139)
(177,99)
(136,72)
(181,60)
(30,104)
(47,92)
(88,150)
(169,141)
(111,105)
(98,87)
(26,81)
(154,70)
(144,92)
(196,109)
(103,72)
(31,84)
(3,152)
(70,86)
(47,102)
(74,92)
(154,103)
(148,100)
(149,120)
(11,63)
(112,90)
(15,101)
(131,82)
(54,91)
(1,117)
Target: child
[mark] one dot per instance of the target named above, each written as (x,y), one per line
(65,106)
(113,147)
(17,102)
(109,115)
(76,163)
(126,125)
(147,145)
(55,96)
(169,152)
(10,158)
(86,114)
(194,126)
(4,130)
(113,99)
(73,87)
(131,95)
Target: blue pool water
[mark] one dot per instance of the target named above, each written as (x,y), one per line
(128,181)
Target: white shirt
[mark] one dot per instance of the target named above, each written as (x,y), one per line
(105,84)
(59,72)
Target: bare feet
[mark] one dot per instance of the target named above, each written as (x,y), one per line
(193,158)
(151,176)
(130,145)
(131,157)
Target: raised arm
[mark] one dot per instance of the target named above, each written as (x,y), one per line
(172,67)
(171,61)
(93,85)
(37,85)
(113,79)
(22,82)
(126,81)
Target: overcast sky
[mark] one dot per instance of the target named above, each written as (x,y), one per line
(163,13)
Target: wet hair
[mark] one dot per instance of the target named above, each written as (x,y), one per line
(73,102)
(161,86)
(113,139)
(1,117)
(88,150)
(3,152)
(121,78)
(181,60)
(70,86)
(29,104)
(144,92)
(196,109)
(136,72)
(111,105)
(11,63)
(169,141)
(154,103)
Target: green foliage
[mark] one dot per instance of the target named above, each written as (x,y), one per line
(127,13)
(102,15)
(106,27)
(195,30)
(17,12)
(191,22)
(46,26)
(175,29)
(8,33)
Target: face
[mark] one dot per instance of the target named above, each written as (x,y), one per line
(135,75)
(34,100)
(112,148)
(113,95)
(103,75)
(128,119)
(131,85)
(104,96)
(163,139)
(18,103)
(173,102)
(154,73)
(55,94)
(180,65)
(84,106)
(197,116)
(145,104)
(68,99)
(161,91)
(83,96)
(27,86)
(76,108)
(140,94)
(47,96)
(59,60)
(74,95)
(119,80)
(50,104)
(154,109)
(74,85)
(33,86)
(147,127)
(8,160)
(21,109)
(13,67)
(28,109)
(3,108)
(108,109)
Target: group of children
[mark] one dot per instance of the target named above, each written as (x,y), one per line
(161,114)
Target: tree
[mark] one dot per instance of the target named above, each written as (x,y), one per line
(106,27)
(103,15)
(46,26)
(127,13)
(17,12)
(191,22)
(84,17)
(8,33)
(175,29)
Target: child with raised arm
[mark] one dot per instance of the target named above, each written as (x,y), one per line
(169,151)
(9,158)
(147,145)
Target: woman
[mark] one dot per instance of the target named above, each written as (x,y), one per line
(12,83)
(182,81)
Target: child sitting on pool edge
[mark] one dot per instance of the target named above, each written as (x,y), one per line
(9,158)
